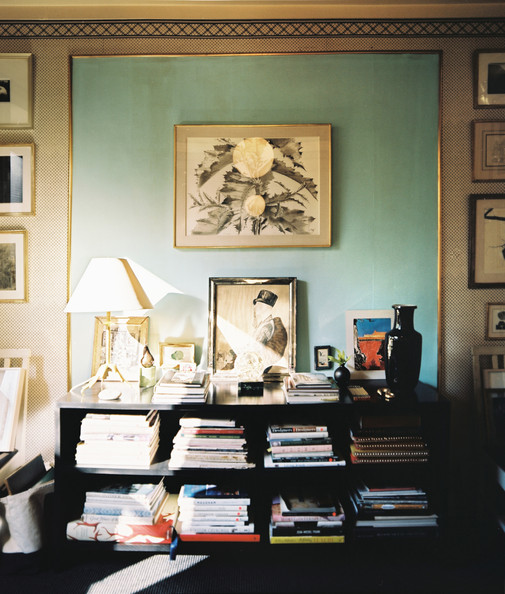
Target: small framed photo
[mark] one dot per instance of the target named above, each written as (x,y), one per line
(17,179)
(13,267)
(321,357)
(488,151)
(365,340)
(487,241)
(489,78)
(128,338)
(495,327)
(16,91)
(253,186)
(173,354)
(11,394)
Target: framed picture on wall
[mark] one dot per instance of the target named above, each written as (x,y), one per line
(128,338)
(252,186)
(365,340)
(17,179)
(495,326)
(487,241)
(16,91)
(489,78)
(13,266)
(488,151)
(252,325)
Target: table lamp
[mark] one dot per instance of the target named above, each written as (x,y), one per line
(115,285)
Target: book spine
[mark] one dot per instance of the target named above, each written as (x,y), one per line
(299,434)
(298,428)
(302,448)
(244,537)
(336,538)
(215,529)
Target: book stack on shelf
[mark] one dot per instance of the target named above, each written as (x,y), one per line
(391,438)
(390,511)
(299,445)
(212,513)
(118,440)
(182,387)
(304,518)
(139,513)
(310,388)
(209,443)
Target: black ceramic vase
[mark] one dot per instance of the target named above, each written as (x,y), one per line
(402,348)
(342,376)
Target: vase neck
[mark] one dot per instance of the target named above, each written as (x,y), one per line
(404,317)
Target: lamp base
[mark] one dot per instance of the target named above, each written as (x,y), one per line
(101,375)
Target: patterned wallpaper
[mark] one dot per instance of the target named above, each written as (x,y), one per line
(41,324)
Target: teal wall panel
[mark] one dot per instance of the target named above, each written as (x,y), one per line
(383,109)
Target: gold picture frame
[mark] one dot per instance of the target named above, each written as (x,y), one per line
(488,151)
(129,335)
(173,353)
(17,179)
(252,186)
(489,80)
(13,266)
(16,91)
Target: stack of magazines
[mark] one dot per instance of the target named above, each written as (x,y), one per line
(294,445)
(394,510)
(182,387)
(310,388)
(306,517)
(118,440)
(209,443)
(209,512)
(139,513)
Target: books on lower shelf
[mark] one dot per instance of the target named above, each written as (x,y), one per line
(306,517)
(133,514)
(178,387)
(300,445)
(210,444)
(210,512)
(116,440)
(396,510)
(310,388)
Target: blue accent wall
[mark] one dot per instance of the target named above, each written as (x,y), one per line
(384,113)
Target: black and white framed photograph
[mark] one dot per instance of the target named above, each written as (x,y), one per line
(495,321)
(487,241)
(321,357)
(17,179)
(252,325)
(13,266)
(488,151)
(489,78)
(16,109)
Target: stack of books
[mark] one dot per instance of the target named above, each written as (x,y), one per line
(118,440)
(298,445)
(310,388)
(209,443)
(208,512)
(133,514)
(181,387)
(393,438)
(392,511)
(307,517)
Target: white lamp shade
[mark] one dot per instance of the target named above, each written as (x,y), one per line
(116,285)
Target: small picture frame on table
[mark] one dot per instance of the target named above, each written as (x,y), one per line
(495,321)
(321,357)
(488,151)
(173,354)
(489,78)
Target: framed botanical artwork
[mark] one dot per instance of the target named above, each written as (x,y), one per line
(487,241)
(16,91)
(495,321)
(321,357)
(128,337)
(17,179)
(13,267)
(253,186)
(252,325)
(488,151)
(11,394)
(365,340)
(173,354)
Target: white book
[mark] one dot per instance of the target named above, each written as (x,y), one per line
(269,463)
